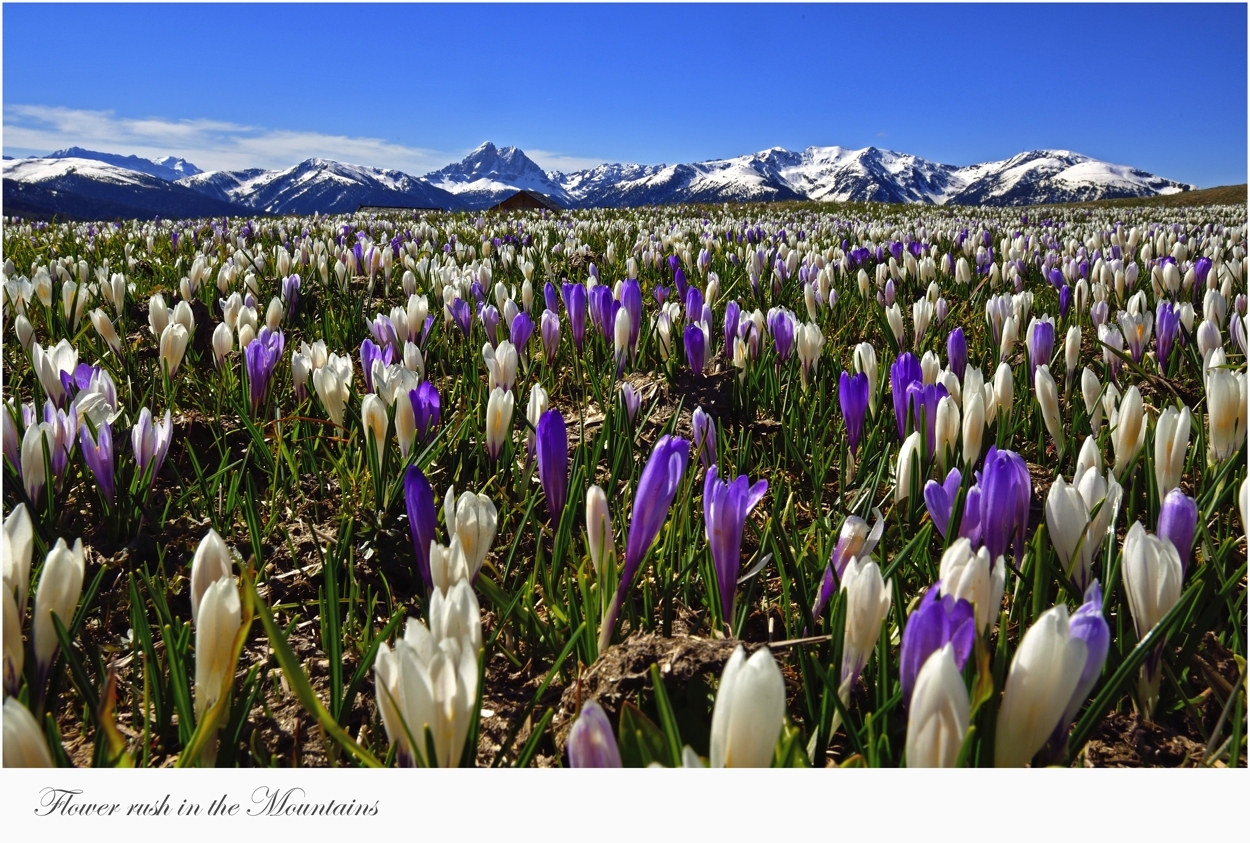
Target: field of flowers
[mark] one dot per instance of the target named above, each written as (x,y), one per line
(777,485)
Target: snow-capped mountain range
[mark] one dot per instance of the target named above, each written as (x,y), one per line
(489,174)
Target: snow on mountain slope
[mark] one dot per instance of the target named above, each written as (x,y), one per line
(1045,176)
(48,169)
(488,175)
(168,168)
(80,188)
(321,185)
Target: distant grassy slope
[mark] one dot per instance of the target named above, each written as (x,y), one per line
(1229,194)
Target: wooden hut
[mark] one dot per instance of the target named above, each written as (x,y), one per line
(527,200)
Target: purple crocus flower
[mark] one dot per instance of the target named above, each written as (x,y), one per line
(781,326)
(261,357)
(575,304)
(1065,300)
(383,331)
(733,313)
(64,436)
(1005,491)
(426,408)
(549,325)
(679,281)
(422,519)
(957,352)
(462,314)
(1087,624)
(656,489)
(1202,268)
(631,300)
(603,311)
(725,510)
(1041,345)
(853,398)
(694,305)
(1178,519)
(695,348)
(937,621)
(660,294)
(522,330)
(98,454)
(151,442)
(703,434)
(290,294)
(591,743)
(489,316)
(904,371)
(553,461)
(939,500)
(369,353)
(631,400)
(551,297)
(924,398)
(1055,277)
(1167,326)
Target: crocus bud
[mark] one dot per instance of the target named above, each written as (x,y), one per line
(972,576)
(938,717)
(1048,398)
(24,743)
(158,315)
(599,532)
(1091,393)
(865,360)
(472,519)
(621,331)
(219,619)
(703,435)
(1072,351)
(1153,577)
(553,461)
(957,352)
(60,586)
(973,427)
(590,741)
(1042,679)
(18,545)
(1171,443)
(1178,520)
(810,341)
(894,316)
(537,405)
(173,347)
(498,420)
(26,331)
(908,460)
(1226,412)
(749,711)
(333,382)
(102,324)
(930,365)
(1128,430)
(376,423)
(210,563)
(868,598)
(1004,390)
(946,429)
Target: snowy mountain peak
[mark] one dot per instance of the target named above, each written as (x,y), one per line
(168,168)
(490,174)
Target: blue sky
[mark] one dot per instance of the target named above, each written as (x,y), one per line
(1160,87)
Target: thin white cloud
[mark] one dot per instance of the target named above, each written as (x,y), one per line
(209,144)
(559,161)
